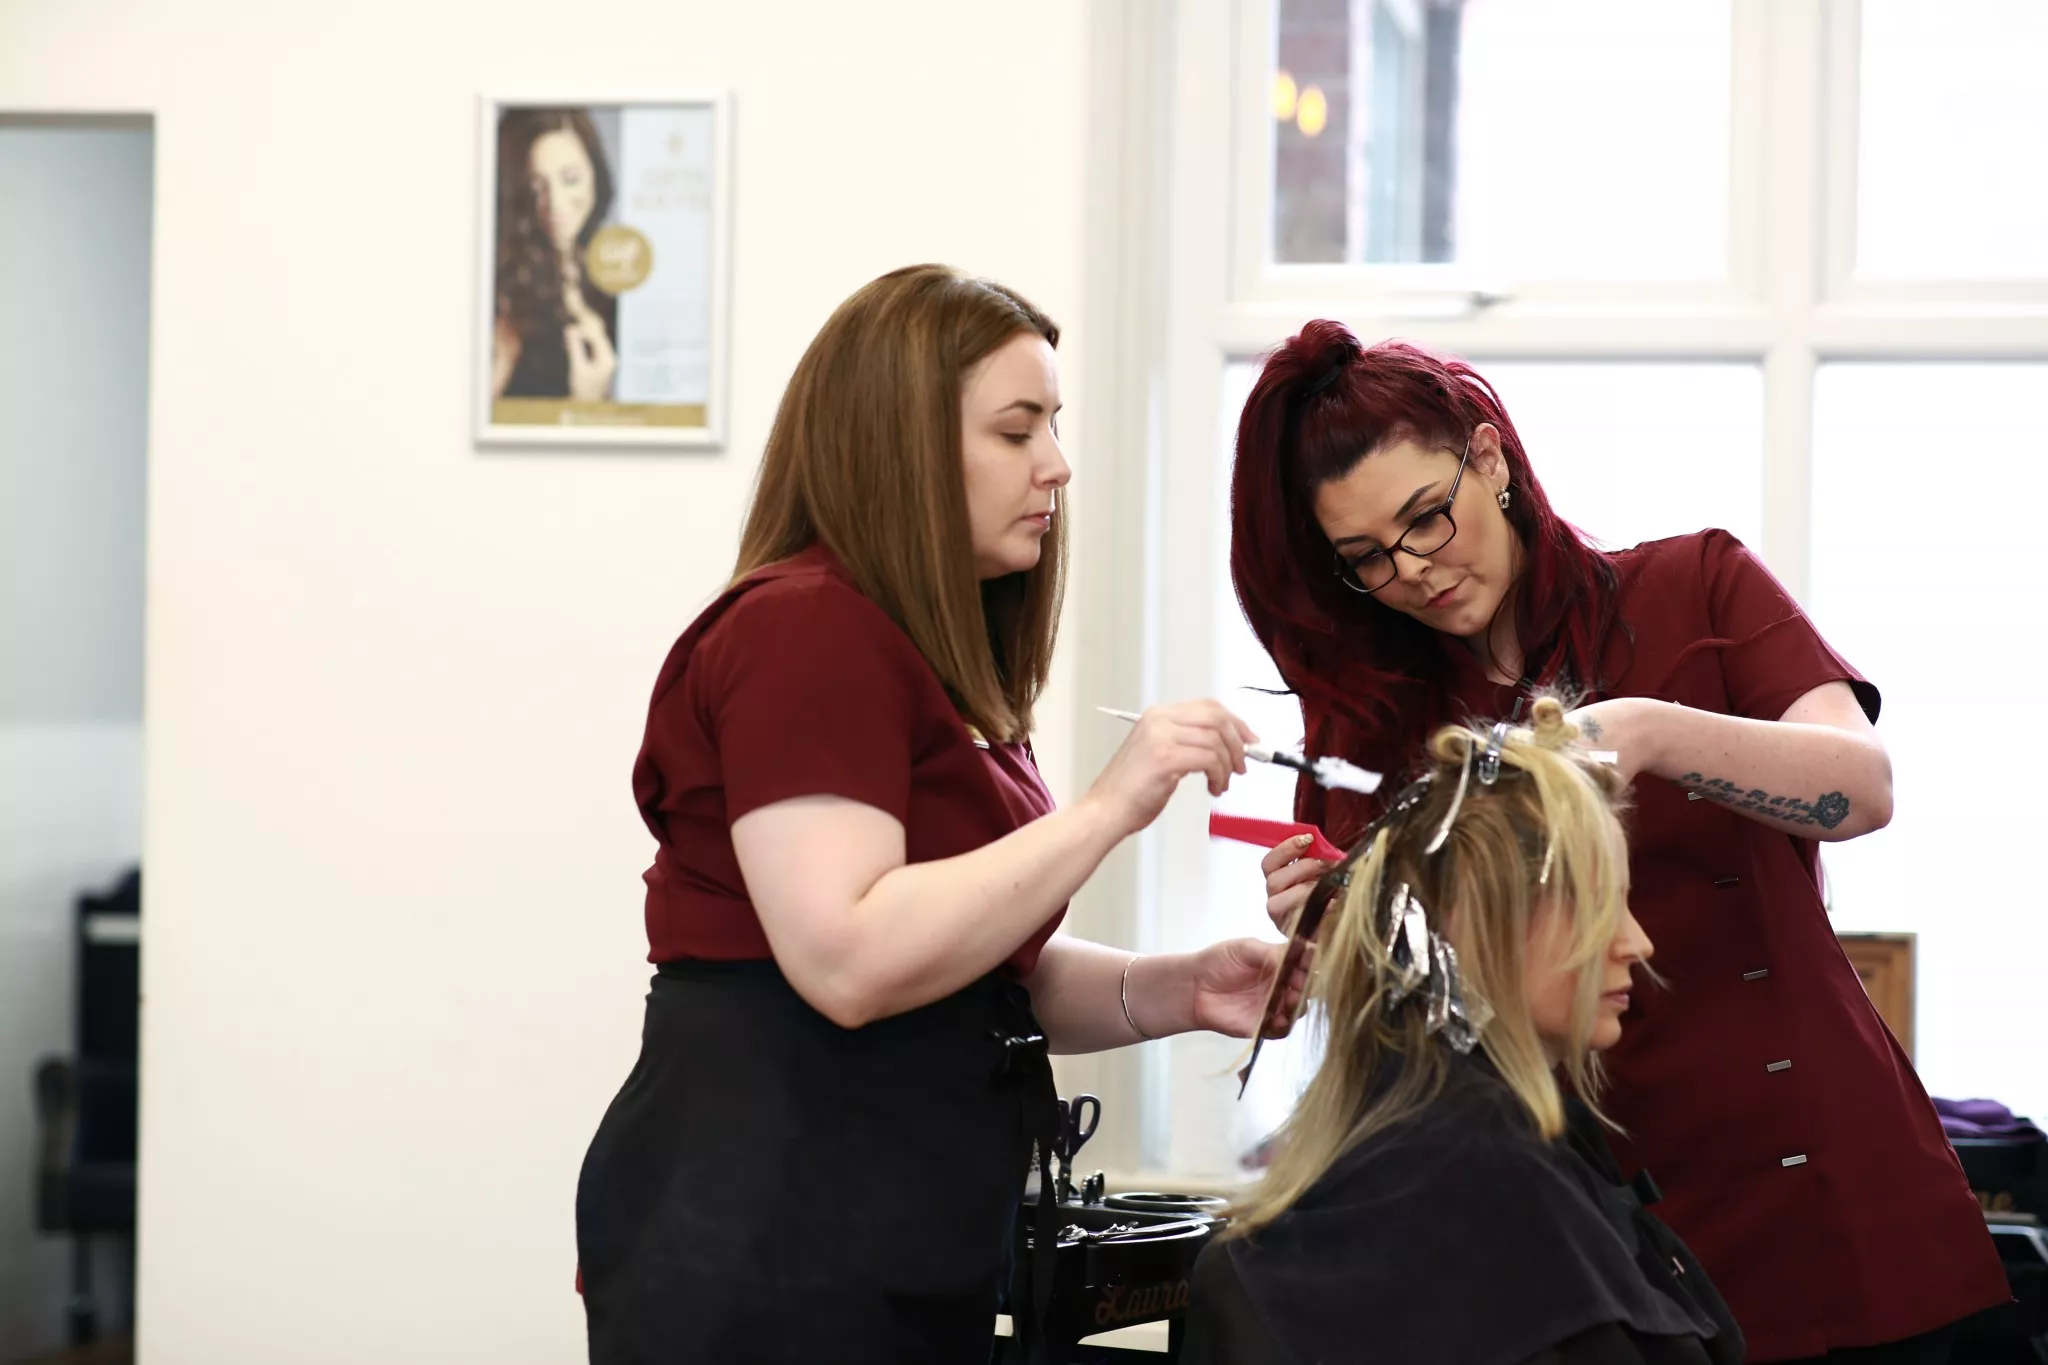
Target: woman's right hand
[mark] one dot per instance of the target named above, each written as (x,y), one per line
(1289,879)
(1166,744)
(592,360)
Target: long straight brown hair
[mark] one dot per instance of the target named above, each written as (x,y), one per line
(865,457)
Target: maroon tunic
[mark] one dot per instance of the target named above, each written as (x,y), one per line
(795,684)
(1799,1155)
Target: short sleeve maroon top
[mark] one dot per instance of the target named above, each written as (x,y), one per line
(1799,1156)
(793,683)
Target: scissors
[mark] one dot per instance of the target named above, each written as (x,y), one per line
(1078,1119)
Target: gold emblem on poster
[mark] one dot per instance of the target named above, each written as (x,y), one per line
(617,259)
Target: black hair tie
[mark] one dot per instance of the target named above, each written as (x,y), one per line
(1326,379)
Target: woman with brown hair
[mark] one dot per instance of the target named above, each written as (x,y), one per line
(552,329)
(852,907)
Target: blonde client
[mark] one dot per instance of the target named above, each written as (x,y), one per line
(1443,1192)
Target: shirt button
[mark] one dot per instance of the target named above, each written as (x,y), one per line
(1726,882)
(1756,975)
(1785,1065)
(1799,1160)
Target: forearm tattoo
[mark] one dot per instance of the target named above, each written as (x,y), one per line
(1827,810)
(1590,729)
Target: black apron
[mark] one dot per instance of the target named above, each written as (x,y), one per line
(771,1187)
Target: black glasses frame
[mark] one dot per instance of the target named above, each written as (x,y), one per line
(1349,575)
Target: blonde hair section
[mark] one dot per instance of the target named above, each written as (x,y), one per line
(1549,828)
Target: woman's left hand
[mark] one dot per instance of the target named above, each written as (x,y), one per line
(1633,727)
(1231,981)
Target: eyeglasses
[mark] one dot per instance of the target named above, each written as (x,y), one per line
(1425,535)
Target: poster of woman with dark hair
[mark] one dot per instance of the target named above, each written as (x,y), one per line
(604,273)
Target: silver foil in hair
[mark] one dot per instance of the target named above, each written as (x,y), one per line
(1464,1017)
(1443,831)
(1407,946)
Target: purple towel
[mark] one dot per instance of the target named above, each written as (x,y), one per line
(1985,1119)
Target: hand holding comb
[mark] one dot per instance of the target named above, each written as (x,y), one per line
(1299,937)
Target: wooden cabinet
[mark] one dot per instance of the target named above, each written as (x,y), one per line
(1885,962)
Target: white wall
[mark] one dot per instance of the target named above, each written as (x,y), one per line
(74,335)
(395,686)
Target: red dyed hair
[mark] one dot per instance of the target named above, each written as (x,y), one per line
(1374,682)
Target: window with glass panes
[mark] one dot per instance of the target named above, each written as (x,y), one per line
(1779,266)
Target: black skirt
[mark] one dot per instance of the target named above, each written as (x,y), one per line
(771,1187)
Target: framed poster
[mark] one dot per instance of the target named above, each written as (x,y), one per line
(602,318)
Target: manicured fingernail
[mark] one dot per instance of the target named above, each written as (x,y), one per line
(1303,840)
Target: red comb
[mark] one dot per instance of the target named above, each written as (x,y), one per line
(1267,833)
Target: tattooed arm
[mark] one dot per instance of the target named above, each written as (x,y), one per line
(1819,770)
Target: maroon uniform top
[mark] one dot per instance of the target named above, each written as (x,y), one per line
(1798,1154)
(795,684)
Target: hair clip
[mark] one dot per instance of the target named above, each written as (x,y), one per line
(1326,379)
(1489,762)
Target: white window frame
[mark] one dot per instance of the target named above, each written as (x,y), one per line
(1987,302)
(1449,291)
(1181,284)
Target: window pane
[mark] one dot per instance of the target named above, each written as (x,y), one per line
(1533,138)
(1954,119)
(1236,902)
(1636,452)
(1941,607)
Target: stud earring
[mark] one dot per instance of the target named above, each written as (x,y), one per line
(1503,498)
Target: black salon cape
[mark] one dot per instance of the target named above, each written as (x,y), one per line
(1461,1237)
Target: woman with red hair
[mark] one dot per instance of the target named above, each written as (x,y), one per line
(1396,555)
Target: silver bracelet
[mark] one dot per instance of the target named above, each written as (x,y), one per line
(1124,994)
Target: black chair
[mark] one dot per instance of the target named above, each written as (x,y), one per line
(2011,1178)
(86,1103)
